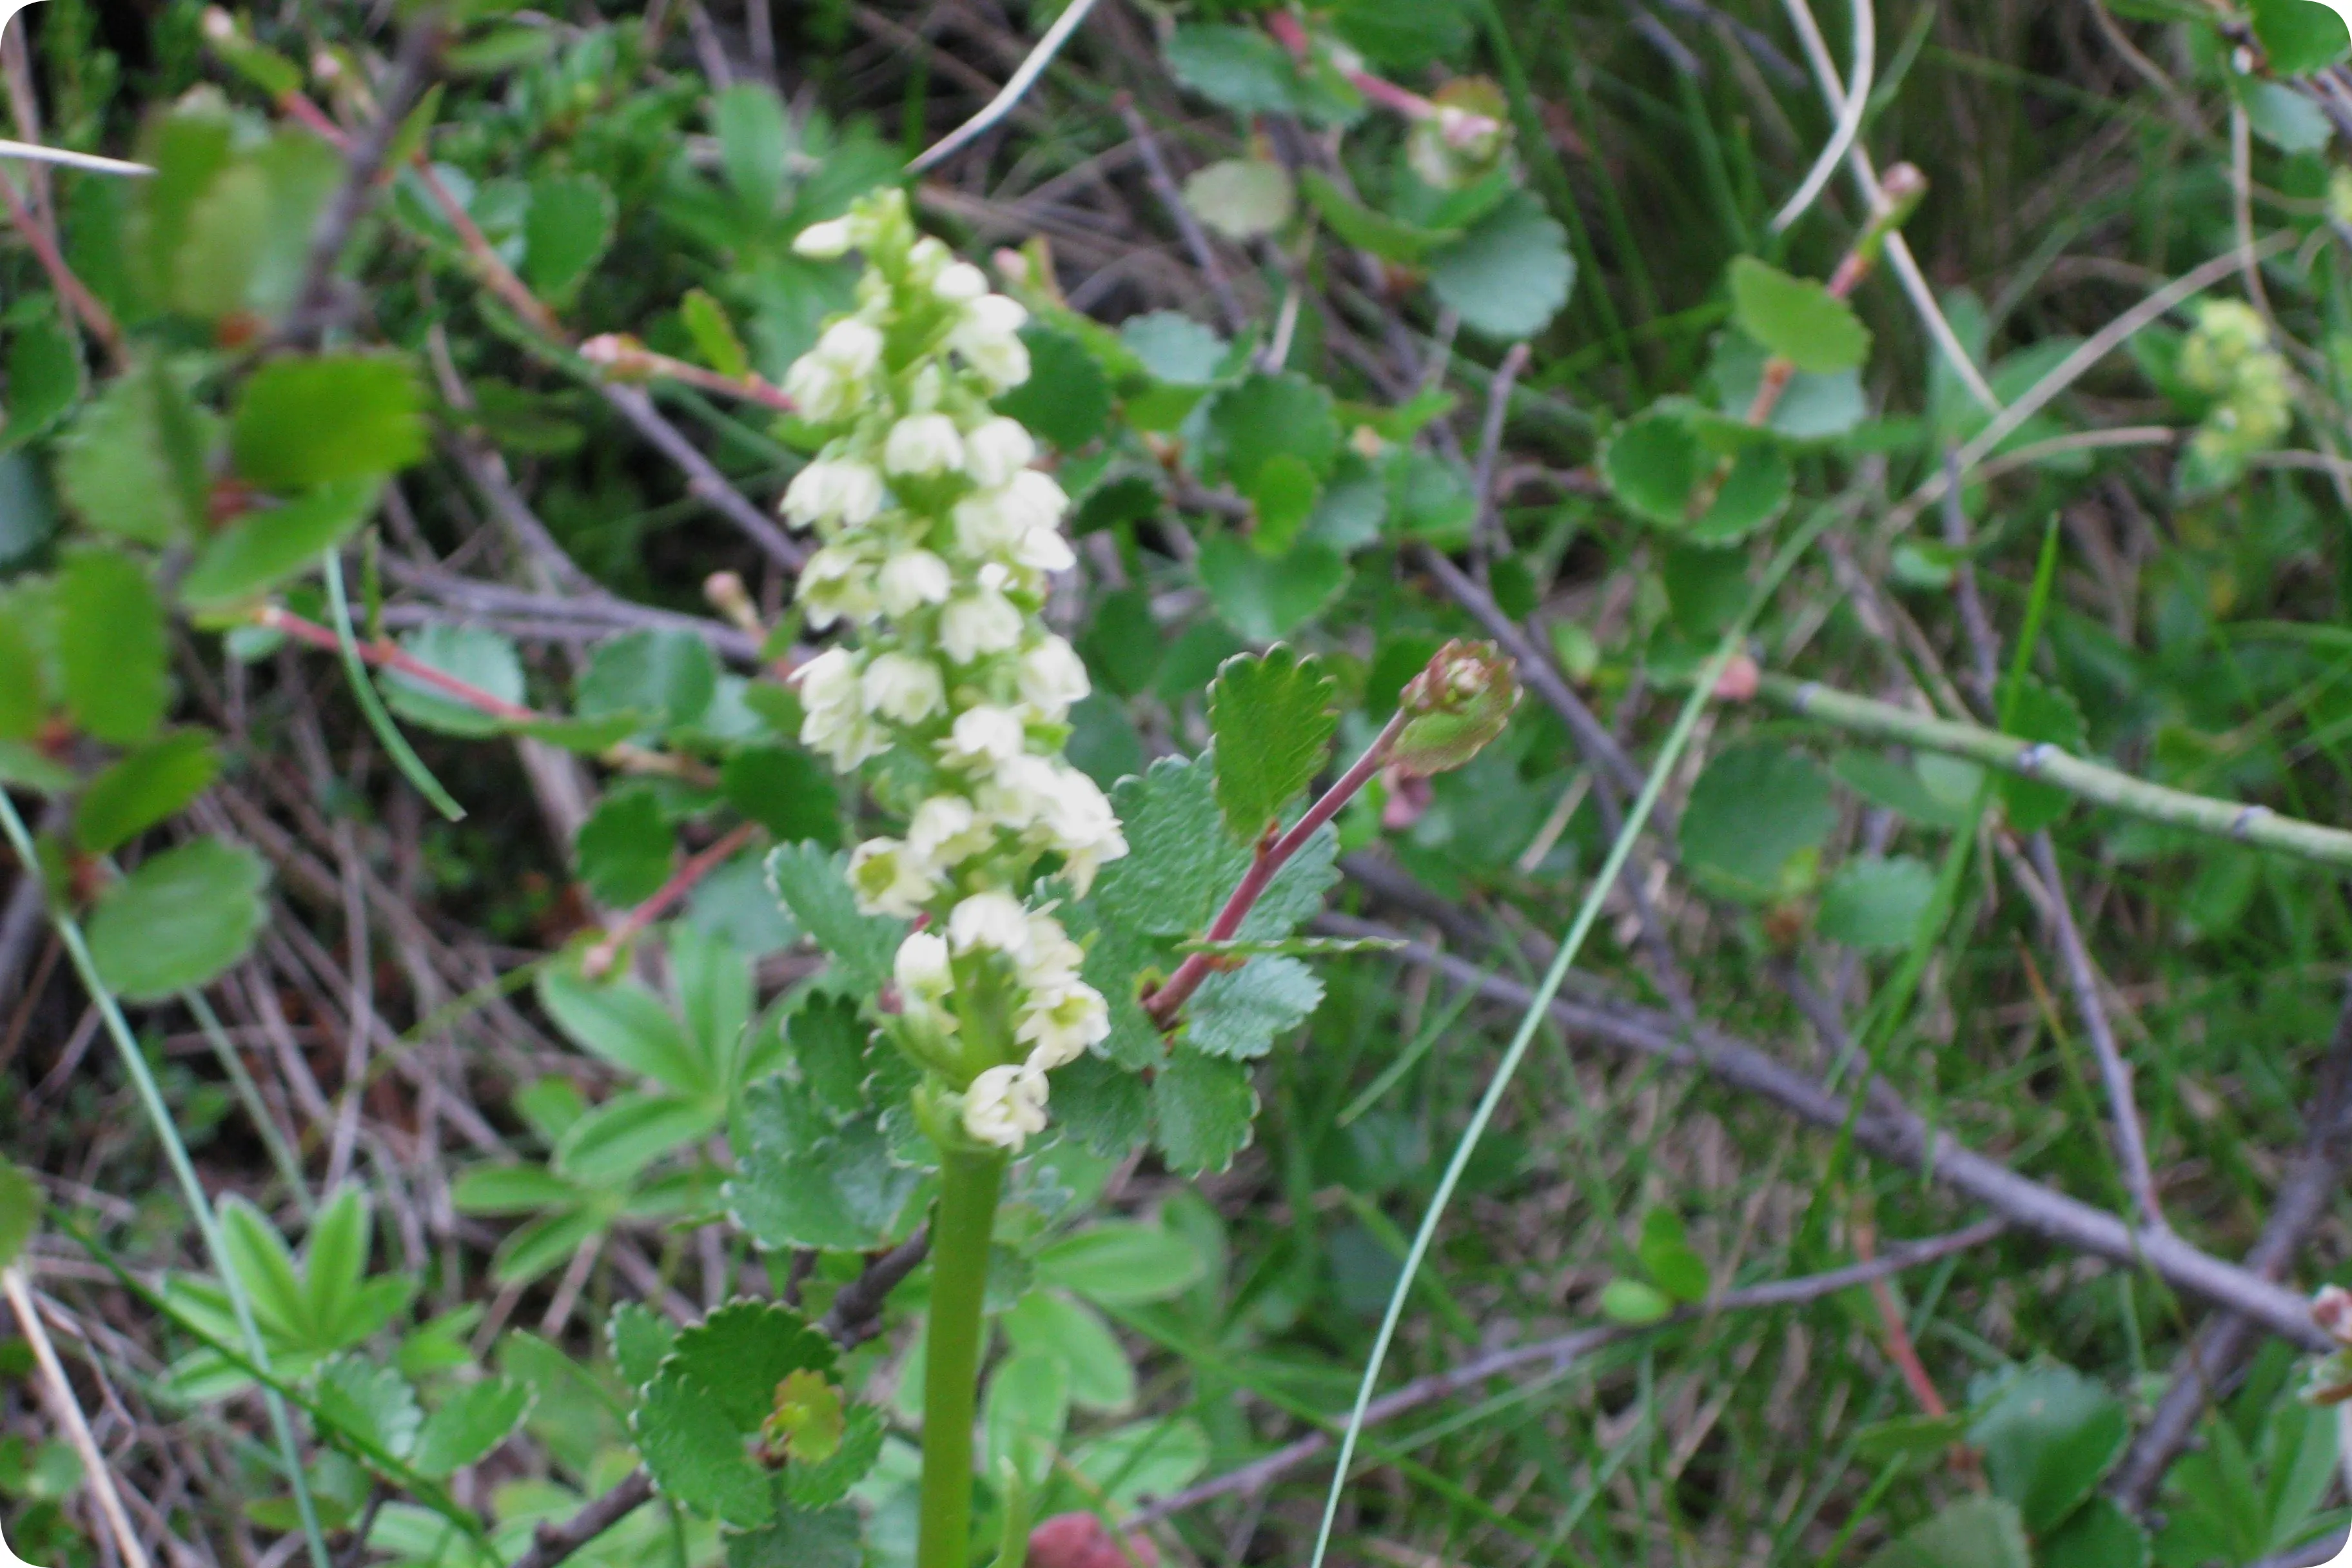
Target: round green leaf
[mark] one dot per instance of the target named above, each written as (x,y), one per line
(178,920)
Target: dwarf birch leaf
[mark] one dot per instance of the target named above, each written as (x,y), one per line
(1272,717)
(1203,1106)
(1797,318)
(178,920)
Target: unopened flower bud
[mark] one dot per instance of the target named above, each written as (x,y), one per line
(824,241)
(728,595)
(1453,707)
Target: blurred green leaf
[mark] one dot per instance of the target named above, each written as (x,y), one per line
(178,920)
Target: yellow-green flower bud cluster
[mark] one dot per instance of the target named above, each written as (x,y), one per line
(2228,355)
(936,541)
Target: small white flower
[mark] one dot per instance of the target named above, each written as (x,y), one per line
(999,522)
(1044,550)
(1054,958)
(852,347)
(828,681)
(993,920)
(928,259)
(888,878)
(902,687)
(836,490)
(1083,827)
(836,584)
(911,579)
(1053,678)
(1017,792)
(923,444)
(976,623)
(946,831)
(1004,1105)
(997,450)
(960,283)
(921,968)
(824,241)
(988,340)
(985,737)
(818,392)
(1059,1025)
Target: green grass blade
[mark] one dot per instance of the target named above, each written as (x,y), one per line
(396,744)
(1587,915)
(183,1169)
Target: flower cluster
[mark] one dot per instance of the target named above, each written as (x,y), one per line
(2228,356)
(937,537)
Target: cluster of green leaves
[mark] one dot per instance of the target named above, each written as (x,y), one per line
(692,1055)
(2047,1437)
(322,1318)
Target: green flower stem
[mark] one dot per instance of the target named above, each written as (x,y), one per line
(2045,764)
(970,1181)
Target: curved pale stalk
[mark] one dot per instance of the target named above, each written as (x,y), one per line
(90,162)
(1850,114)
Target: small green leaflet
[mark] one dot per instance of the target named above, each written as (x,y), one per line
(1272,717)
(142,789)
(179,920)
(304,422)
(1797,318)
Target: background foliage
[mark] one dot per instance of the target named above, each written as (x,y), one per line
(488,309)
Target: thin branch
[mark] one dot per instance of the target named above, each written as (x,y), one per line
(1171,198)
(2233,820)
(2114,1073)
(66,1409)
(2206,1369)
(1900,1137)
(315,307)
(550,1544)
(688,876)
(390,656)
(1554,1356)
(703,479)
(70,288)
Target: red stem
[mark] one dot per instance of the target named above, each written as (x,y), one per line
(43,246)
(1273,853)
(682,882)
(1379,90)
(388,656)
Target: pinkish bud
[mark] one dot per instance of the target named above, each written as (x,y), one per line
(1080,1540)
(2332,1310)
(1739,679)
(1410,797)
(1457,704)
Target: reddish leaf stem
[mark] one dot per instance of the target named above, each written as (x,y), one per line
(1273,853)
(683,881)
(1379,90)
(43,246)
(389,655)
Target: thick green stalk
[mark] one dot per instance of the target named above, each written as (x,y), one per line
(969,1184)
(2230,819)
